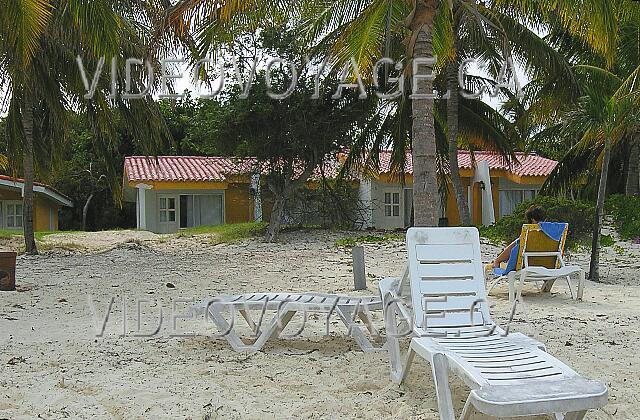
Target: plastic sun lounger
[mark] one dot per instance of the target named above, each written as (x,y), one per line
(286,305)
(540,259)
(509,375)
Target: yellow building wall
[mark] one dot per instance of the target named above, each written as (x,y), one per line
(452,213)
(182,185)
(476,211)
(41,209)
(10,195)
(238,204)
(41,213)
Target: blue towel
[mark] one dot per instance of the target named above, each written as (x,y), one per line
(511,264)
(553,230)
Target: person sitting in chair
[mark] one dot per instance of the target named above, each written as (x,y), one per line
(534,215)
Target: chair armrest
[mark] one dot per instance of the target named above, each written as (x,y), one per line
(542,254)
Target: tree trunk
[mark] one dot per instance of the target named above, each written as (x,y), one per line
(29,175)
(423,143)
(633,172)
(594,267)
(452,128)
(282,194)
(85,210)
(275,221)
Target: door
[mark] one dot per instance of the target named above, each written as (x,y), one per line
(393,217)
(201,210)
(167,217)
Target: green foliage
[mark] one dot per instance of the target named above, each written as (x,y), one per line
(607,240)
(368,239)
(227,233)
(72,177)
(579,215)
(626,215)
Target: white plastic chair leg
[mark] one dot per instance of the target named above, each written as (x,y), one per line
(571,291)
(495,283)
(581,282)
(407,366)
(440,369)
(575,415)
(393,342)
(512,286)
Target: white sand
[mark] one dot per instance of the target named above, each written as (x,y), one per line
(52,365)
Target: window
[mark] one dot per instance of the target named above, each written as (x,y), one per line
(201,210)
(167,209)
(14,215)
(392,204)
(509,200)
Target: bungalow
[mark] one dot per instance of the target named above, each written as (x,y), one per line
(493,189)
(173,192)
(47,201)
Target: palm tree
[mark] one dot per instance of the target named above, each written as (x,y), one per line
(39,71)
(471,31)
(601,36)
(604,115)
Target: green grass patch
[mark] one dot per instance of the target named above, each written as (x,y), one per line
(7,233)
(227,233)
(626,215)
(369,239)
(607,240)
(492,234)
(67,246)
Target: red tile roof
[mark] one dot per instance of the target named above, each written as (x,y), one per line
(527,164)
(185,168)
(198,168)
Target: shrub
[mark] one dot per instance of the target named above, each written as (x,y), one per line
(227,233)
(626,215)
(333,203)
(368,239)
(579,215)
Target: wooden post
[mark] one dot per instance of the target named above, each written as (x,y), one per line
(359,275)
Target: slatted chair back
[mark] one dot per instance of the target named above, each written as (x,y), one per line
(446,277)
(534,240)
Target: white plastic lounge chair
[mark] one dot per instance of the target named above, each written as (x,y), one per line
(509,375)
(286,305)
(540,259)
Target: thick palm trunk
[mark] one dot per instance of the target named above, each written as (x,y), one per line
(594,268)
(29,175)
(425,183)
(633,173)
(452,129)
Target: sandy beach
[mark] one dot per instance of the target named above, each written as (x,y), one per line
(53,366)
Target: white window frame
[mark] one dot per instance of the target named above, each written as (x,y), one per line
(392,205)
(15,215)
(167,209)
